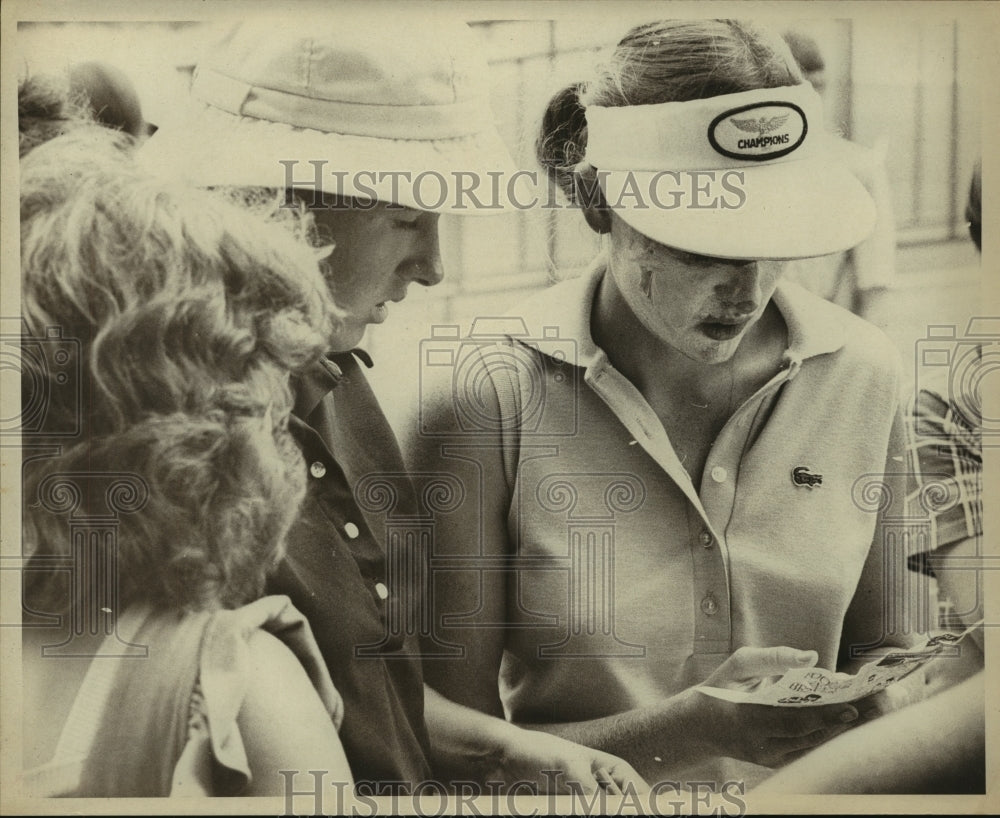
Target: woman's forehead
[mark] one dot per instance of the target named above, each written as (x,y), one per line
(648,248)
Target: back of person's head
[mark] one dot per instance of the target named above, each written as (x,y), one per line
(657,62)
(187,316)
(805,50)
(809,57)
(45,109)
(111,97)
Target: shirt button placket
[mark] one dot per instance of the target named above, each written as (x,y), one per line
(711,611)
(709,606)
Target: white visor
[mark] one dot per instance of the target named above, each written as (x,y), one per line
(748,175)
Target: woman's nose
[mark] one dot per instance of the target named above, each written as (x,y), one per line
(427,269)
(740,289)
(431,272)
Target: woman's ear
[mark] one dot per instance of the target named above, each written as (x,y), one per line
(590,198)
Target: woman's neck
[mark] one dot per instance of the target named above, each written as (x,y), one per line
(656,368)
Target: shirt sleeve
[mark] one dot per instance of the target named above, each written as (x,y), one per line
(888,606)
(214,759)
(944,451)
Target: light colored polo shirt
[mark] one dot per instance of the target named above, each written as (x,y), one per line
(630,583)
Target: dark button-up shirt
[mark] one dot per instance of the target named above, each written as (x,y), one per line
(335,570)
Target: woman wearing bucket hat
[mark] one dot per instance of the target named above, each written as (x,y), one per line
(689,475)
(376,125)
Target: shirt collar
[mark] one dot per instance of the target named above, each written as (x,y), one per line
(567,306)
(313,383)
(815,327)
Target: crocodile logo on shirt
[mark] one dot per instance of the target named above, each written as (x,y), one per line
(801,476)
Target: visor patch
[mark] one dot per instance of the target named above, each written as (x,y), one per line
(764,130)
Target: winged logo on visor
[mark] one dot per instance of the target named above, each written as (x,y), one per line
(762,125)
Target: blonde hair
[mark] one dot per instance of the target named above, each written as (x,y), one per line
(189,316)
(46,108)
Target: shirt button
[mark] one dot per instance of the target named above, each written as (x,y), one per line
(317,469)
(381,590)
(719,474)
(705,538)
(709,606)
(351,530)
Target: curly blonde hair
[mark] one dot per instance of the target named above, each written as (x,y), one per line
(190,316)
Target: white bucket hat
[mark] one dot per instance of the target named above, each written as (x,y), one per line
(746,175)
(393,108)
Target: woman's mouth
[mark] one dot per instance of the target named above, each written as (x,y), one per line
(381,310)
(723,329)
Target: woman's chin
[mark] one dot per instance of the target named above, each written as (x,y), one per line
(349,336)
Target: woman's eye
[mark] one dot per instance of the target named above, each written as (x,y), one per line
(698,261)
(404,224)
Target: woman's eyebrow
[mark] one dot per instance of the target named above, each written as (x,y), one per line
(703,259)
(697,258)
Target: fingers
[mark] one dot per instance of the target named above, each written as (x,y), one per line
(626,778)
(750,663)
(617,776)
(606,781)
(786,722)
(776,751)
(798,745)
(872,707)
(809,720)
(603,778)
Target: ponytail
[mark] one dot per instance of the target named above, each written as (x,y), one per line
(562,140)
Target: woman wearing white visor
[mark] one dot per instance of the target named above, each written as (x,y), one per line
(688,467)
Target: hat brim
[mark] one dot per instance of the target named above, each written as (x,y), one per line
(785,210)
(469,176)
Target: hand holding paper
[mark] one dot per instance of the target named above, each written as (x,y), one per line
(763,735)
(810,686)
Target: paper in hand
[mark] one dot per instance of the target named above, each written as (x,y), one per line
(813,686)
